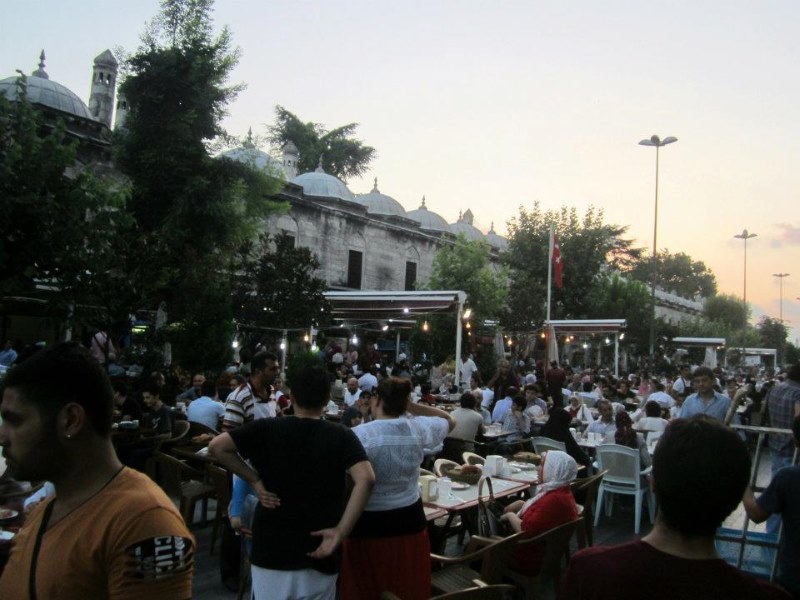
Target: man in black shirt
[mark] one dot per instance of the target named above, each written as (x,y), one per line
(299,463)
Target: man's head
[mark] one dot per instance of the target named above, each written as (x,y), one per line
(264,368)
(684,371)
(352,385)
(530,392)
(504,366)
(694,499)
(208,388)
(197,382)
(606,411)
(468,400)
(57,397)
(120,391)
(151,395)
(475,381)
(311,388)
(652,409)
(703,380)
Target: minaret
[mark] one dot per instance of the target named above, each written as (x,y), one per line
(290,156)
(122,112)
(104,85)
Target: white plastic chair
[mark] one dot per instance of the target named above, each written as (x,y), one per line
(624,476)
(543,444)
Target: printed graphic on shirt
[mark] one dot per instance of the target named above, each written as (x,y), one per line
(159,558)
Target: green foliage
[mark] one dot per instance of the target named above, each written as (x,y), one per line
(342,155)
(47,200)
(276,285)
(727,309)
(677,273)
(588,245)
(772,334)
(616,297)
(735,337)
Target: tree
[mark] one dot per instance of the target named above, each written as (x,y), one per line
(63,228)
(588,245)
(678,273)
(341,154)
(193,210)
(276,285)
(727,309)
(616,297)
(772,334)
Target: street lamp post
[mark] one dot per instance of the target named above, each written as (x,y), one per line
(658,143)
(780,277)
(745,235)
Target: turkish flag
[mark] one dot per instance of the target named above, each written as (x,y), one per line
(558,263)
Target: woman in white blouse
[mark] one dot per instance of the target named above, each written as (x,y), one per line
(388,549)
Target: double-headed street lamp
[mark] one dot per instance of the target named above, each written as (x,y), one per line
(745,235)
(658,143)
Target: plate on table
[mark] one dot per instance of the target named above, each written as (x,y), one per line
(521,466)
(459,485)
(6,514)
(6,536)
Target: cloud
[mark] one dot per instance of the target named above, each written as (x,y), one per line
(789,235)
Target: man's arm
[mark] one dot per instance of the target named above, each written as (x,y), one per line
(423,410)
(364,479)
(223,450)
(752,508)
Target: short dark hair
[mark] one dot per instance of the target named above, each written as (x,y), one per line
(311,387)
(468,400)
(695,499)
(652,408)
(704,372)
(530,387)
(520,401)
(208,388)
(394,393)
(66,373)
(259,361)
(152,388)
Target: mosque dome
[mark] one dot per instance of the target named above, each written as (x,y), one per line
(248,154)
(44,92)
(381,204)
(428,219)
(464,225)
(322,185)
(496,241)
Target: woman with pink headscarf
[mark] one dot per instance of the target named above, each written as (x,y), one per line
(551,506)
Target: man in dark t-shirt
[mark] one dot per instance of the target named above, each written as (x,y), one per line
(700,470)
(298,471)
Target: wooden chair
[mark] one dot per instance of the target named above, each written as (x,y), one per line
(585,492)
(556,546)
(480,592)
(221,481)
(180,432)
(181,481)
(457,575)
(198,429)
(470,458)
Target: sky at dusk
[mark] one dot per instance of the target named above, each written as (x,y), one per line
(493,105)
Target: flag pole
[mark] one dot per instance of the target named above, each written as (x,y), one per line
(550,269)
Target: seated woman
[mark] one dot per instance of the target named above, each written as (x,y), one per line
(557,428)
(553,505)
(626,436)
(577,410)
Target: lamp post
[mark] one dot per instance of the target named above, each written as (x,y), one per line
(658,143)
(780,277)
(745,235)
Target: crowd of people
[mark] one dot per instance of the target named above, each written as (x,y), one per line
(336,505)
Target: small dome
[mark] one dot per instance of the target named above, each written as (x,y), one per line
(427,219)
(496,241)
(49,93)
(381,204)
(322,185)
(464,225)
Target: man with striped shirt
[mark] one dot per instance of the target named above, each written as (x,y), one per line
(264,369)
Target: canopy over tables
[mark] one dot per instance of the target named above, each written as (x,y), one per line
(589,327)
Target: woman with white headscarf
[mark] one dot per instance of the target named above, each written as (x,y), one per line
(551,506)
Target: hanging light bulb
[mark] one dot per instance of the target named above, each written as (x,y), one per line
(354,340)
(425,326)
(305,338)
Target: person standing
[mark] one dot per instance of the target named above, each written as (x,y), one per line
(109,532)
(706,400)
(298,473)
(556,378)
(466,367)
(783,403)
(239,407)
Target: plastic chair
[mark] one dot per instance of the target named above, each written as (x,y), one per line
(624,476)
(480,592)
(441,465)
(470,458)
(585,492)
(556,546)
(457,574)
(543,444)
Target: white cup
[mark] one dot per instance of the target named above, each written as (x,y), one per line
(445,487)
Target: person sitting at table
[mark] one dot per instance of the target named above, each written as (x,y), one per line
(553,505)
(388,549)
(469,422)
(678,558)
(665,401)
(426,397)
(625,395)
(160,416)
(557,428)
(578,410)
(480,409)
(352,392)
(206,409)
(298,473)
(501,407)
(125,407)
(536,404)
(624,435)
(652,421)
(605,424)
(357,413)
